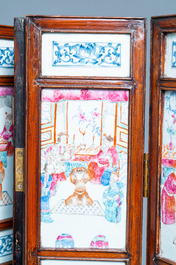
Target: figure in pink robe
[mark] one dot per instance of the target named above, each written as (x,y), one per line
(168,200)
(7,134)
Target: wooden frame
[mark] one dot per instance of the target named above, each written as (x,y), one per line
(7,33)
(160,26)
(19,117)
(135,84)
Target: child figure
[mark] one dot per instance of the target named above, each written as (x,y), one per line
(63,150)
(110,150)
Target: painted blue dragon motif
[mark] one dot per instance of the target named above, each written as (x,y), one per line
(86,54)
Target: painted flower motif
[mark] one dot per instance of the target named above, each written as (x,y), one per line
(96,114)
(82,116)
(90,119)
(174,121)
(171,131)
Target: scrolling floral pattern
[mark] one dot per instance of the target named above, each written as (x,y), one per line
(7,57)
(174,54)
(6,245)
(88,53)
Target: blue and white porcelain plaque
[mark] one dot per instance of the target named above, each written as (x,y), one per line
(67,54)
(6,57)
(6,245)
(170,56)
(174,54)
(87,54)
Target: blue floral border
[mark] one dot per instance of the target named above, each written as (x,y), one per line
(6,245)
(174,54)
(86,54)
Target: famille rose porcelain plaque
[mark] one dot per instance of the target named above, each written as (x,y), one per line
(84,154)
(76,54)
(6,57)
(170,56)
(6,152)
(168,179)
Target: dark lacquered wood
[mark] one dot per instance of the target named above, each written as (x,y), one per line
(19,132)
(6,32)
(158,84)
(135,84)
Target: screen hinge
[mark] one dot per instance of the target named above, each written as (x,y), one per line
(19,169)
(146,172)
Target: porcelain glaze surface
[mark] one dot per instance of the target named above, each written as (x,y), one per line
(84,147)
(6,152)
(67,54)
(174,54)
(6,245)
(6,57)
(168,179)
(87,53)
(170,56)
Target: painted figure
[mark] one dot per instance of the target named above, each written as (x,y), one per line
(107,158)
(99,241)
(112,204)
(79,177)
(7,133)
(2,176)
(55,156)
(112,199)
(110,150)
(49,185)
(64,241)
(46,180)
(62,147)
(96,171)
(168,201)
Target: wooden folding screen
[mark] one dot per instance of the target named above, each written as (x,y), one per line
(84,137)
(162,204)
(6,142)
